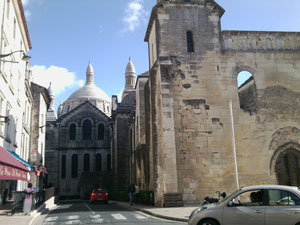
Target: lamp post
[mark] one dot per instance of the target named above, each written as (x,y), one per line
(24,57)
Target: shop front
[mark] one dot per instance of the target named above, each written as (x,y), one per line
(11,170)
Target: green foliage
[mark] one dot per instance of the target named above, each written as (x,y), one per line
(119,196)
(145,197)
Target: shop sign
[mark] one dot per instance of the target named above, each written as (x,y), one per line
(11,173)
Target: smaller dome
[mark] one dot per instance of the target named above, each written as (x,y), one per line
(89,69)
(130,67)
(50,90)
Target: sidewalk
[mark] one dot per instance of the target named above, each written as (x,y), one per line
(19,218)
(172,213)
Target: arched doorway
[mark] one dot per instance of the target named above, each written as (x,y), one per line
(287,167)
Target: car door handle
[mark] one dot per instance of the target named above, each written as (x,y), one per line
(258,211)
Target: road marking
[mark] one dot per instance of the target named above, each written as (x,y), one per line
(50,219)
(73,222)
(95,216)
(97,221)
(74,217)
(140,217)
(89,208)
(118,216)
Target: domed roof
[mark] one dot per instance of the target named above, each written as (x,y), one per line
(89,91)
(130,67)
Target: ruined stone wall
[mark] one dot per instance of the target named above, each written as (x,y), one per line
(189,93)
(202,92)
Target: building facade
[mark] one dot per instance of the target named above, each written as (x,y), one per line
(15,93)
(204,133)
(41,101)
(78,146)
(123,131)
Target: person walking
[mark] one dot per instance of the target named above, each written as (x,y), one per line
(28,199)
(131,191)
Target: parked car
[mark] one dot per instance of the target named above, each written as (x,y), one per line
(252,205)
(99,195)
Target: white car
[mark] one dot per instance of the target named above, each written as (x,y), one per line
(252,205)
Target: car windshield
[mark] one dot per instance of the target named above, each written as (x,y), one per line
(229,196)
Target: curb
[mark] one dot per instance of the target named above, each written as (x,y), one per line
(44,208)
(152,213)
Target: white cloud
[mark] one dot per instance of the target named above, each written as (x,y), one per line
(25,2)
(27,14)
(60,78)
(134,15)
(120,95)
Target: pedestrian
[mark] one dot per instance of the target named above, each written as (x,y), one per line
(131,191)
(136,194)
(28,199)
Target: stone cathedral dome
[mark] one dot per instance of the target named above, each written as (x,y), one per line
(89,92)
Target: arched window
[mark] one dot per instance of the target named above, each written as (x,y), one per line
(247,92)
(100,132)
(268,43)
(63,166)
(98,162)
(86,162)
(74,166)
(73,132)
(190,41)
(108,162)
(87,130)
(243,78)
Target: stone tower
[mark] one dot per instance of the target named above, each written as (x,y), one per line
(130,78)
(51,115)
(193,73)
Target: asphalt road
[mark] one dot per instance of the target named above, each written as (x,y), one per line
(82,212)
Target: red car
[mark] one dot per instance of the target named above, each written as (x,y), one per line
(99,195)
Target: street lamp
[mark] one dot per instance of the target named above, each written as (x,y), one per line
(24,57)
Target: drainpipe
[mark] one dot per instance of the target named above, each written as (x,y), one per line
(233,146)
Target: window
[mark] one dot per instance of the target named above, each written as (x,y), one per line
(63,166)
(243,78)
(282,198)
(86,162)
(87,130)
(250,198)
(72,132)
(108,162)
(98,162)
(186,0)
(74,166)
(8,125)
(190,41)
(100,132)
(247,92)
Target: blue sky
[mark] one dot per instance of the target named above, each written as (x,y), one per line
(66,34)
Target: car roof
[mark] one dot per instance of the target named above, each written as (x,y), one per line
(272,186)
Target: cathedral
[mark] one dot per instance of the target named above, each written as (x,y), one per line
(78,142)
